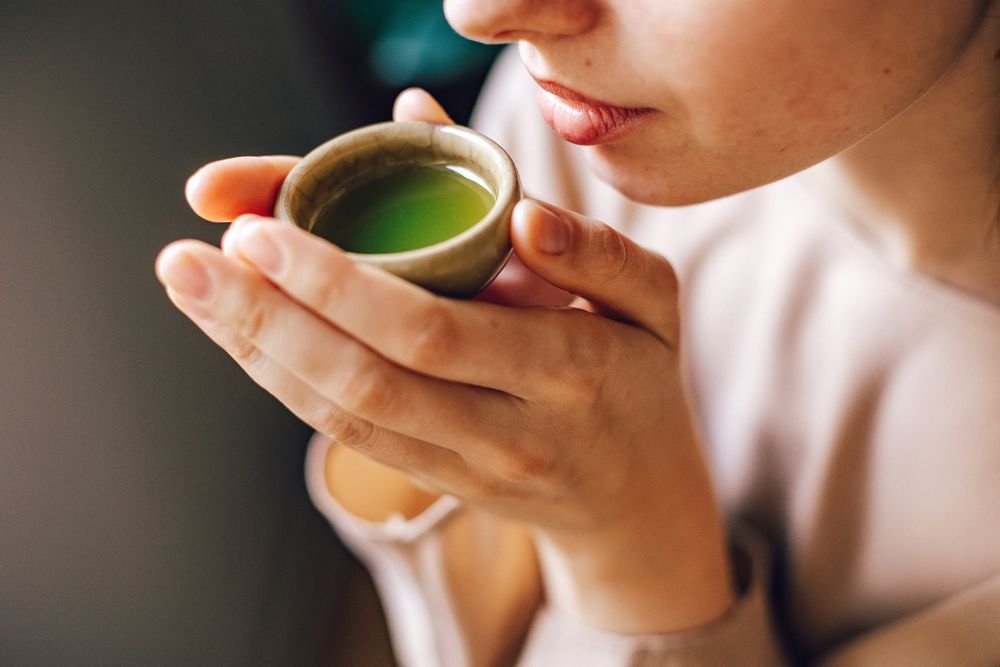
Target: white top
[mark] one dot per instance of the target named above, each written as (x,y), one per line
(852,416)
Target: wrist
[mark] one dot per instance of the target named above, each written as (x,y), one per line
(655,571)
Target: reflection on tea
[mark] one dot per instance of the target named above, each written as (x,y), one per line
(404,208)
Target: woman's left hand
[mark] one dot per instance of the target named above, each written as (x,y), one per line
(573,420)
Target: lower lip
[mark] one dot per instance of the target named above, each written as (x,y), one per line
(587,124)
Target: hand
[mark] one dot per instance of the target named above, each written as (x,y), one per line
(222,191)
(496,590)
(571,419)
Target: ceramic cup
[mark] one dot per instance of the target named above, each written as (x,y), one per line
(460,266)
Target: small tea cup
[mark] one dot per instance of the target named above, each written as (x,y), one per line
(460,266)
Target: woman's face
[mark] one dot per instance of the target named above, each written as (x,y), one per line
(687,100)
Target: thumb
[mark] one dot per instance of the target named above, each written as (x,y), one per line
(418,104)
(591,260)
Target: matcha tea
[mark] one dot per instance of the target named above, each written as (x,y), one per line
(404,208)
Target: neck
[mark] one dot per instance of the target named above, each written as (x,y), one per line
(926,183)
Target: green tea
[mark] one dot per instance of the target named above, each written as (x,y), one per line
(404,208)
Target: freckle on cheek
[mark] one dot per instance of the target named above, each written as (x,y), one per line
(586,62)
(887,70)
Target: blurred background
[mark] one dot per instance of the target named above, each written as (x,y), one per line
(152,503)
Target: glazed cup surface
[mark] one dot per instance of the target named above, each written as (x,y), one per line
(460,266)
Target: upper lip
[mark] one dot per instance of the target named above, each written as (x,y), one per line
(571,95)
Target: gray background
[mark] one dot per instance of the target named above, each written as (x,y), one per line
(152,508)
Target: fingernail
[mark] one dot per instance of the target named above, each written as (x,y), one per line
(257,245)
(193,185)
(553,235)
(186,275)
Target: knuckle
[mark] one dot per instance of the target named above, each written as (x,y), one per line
(526,465)
(590,358)
(346,429)
(435,337)
(253,321)
(577,368)
(326,295)
(615,252)
(483,488)
(246,353)
(586,384)
(367,389)
(588,350)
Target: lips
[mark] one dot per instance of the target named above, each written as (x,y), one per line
(582,120)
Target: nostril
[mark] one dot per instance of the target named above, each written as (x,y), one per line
(506,36)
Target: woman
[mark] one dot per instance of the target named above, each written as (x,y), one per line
(813,377)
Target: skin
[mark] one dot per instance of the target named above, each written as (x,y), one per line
(749,92)
(572,421)
(523,412)
(746,92)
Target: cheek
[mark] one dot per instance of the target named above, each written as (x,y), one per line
(754,96)
(758,86)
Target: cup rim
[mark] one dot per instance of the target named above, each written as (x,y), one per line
(504,199)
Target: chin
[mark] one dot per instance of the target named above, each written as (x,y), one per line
(659,186)
(683,180)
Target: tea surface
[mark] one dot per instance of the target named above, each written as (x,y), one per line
(406,208)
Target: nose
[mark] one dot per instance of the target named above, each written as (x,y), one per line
(493,21)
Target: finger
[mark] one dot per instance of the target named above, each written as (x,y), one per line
(335,365)
(220,191)
(326,417)
(592,260)
(418,104)
(506,349)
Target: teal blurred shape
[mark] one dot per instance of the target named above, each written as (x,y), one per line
(411,43)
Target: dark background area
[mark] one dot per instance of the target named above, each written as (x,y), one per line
(152,504)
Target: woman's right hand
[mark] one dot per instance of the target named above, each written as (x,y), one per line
(222,191)
(498,607)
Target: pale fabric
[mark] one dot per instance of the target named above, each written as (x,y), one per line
(851,412)
(405,561)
